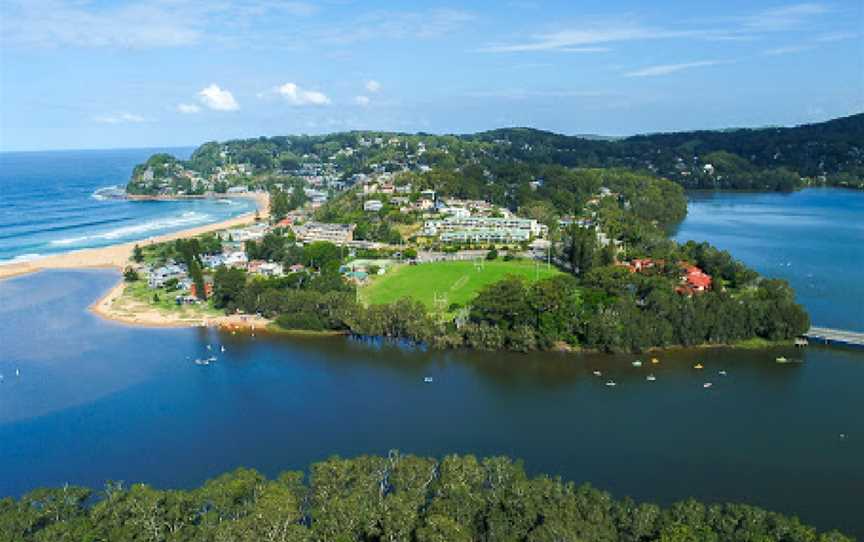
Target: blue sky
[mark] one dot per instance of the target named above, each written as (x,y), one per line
(100,74)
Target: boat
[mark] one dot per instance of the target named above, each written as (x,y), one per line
(222,349)
(208,347)
(707,385)
(611,383)
(637,363)
(428,380)
(650,378)
(781,359)
(698,366)
(655,361)
(17,372)
(200,361)
(211,359)
(722,373)
(598,373)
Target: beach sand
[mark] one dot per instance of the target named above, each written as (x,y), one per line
(117,256)
(111,305)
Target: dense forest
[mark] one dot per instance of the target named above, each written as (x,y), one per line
(393,498)
(507,159)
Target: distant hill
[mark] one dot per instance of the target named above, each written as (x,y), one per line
(831,152)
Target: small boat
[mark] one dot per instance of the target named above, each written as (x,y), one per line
(650,378)
(200,361)
(698,366)
(211,359)
(781,359)
(722,373)
(611,383)
(222,349)
(655,361)
(17,372)
(707,385)
(208,347)
(428,380)
(637,363)
(598,373)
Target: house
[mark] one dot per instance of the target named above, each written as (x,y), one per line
(373,205)
(212,261)
(237,190)
(297,268)
(271,269)
(237,259)
(694,280)
(160,275)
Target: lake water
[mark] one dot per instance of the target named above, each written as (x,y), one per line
(813,238)
(96,400)
(49,204)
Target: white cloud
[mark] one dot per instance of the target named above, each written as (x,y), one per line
(217,98)
(362,100)
(392,24)
(666,69)
(295,95)
(120,118)
(373,86)
(188,108)
(789,50)
(134,24)
(783,18)
(588,34)
(584,38)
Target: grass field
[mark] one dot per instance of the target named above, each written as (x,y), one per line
(452,282)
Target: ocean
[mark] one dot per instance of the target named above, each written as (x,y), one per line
(49,203)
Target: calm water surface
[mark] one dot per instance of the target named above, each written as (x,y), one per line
(813,238)
(97,400)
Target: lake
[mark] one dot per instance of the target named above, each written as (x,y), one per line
(814,238)
(96,400)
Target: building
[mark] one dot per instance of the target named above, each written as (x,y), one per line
(693,280)
(373,205)
(484,229)
(160,275)
(320,231)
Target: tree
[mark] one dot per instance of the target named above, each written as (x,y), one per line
(130,274)
(137,254)
(228,285)
(492,254)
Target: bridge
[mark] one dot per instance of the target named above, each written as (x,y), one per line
(824,335)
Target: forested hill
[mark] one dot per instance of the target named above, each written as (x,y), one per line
(766,158)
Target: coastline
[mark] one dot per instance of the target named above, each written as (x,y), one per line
(118,256)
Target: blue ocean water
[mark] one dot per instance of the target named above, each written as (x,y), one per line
(47,203)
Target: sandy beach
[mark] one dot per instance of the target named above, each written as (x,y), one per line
(117,256)
(114,307)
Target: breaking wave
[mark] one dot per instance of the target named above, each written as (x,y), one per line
(190,218)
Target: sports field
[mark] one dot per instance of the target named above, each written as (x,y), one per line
(448,282)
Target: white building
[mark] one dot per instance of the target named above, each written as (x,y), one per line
(373,205)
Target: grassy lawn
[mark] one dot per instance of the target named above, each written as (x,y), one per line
(458,282)
(139,292)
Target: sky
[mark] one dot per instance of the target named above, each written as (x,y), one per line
(108,74)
